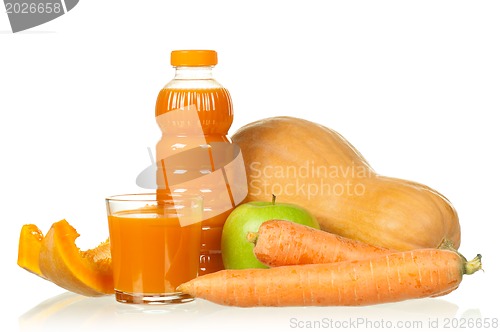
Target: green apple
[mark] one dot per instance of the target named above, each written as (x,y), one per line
(237,251)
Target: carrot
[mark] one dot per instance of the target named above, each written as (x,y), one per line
(281,242)
(386,278)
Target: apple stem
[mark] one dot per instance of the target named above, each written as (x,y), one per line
(274,199)
(252,237)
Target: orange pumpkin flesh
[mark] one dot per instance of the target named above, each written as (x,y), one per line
(30,243)
(59,260)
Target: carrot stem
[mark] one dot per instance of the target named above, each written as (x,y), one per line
(469,267)
(473,265)
(447,244)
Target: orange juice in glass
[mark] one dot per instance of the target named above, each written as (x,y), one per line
(155,245)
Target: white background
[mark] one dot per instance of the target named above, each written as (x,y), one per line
(414,85)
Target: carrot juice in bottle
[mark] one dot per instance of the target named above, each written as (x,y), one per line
(194,111)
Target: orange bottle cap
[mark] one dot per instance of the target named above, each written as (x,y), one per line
(193,58)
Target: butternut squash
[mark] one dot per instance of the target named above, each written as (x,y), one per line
(308,164)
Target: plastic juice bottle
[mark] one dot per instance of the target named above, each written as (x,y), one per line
(193,110)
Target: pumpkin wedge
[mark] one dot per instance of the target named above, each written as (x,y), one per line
(30,243)
(60,261)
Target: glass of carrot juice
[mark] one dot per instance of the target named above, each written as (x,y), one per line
(155,245)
